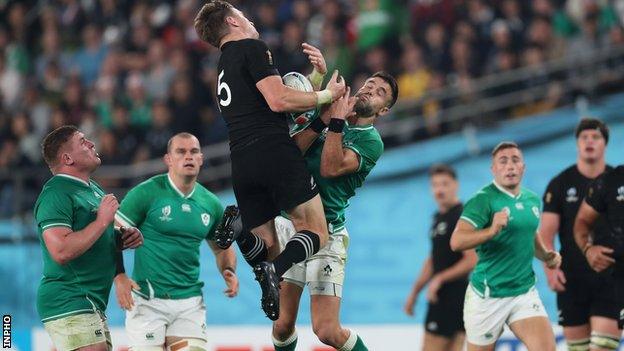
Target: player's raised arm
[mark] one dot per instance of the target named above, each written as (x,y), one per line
(318,62)
(281,98)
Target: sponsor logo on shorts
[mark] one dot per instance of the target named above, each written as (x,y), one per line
(433,326)
(149,336)
(488,335)
(536,307)
(312,183)
(98,332)
(560,314)
(327,271)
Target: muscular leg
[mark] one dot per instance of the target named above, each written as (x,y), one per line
(102,346)
(310,216)
(284,327)
(577,337)
(325,313)
(472,347)
(176,343)
(535,333)
(605,334)
(458,341)
(435,342)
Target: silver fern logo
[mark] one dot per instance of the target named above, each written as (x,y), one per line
(620,196)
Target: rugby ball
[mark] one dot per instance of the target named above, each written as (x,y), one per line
(300,82)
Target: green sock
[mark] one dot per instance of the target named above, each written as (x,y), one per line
(359,345)
(287,345)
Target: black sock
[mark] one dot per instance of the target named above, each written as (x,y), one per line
(253,248)
(301,246)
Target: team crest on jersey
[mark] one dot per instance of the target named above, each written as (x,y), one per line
(535,210)
(571,195)
(166,211)
(186,208)
(205,218)
(440,229)
(620,196)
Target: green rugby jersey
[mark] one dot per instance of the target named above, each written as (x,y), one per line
(84,283)
(173,226)
(335,192)
(504,267)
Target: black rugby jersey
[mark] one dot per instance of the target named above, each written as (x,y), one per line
(441,230)
(247,115)
(564,196)
(606,195)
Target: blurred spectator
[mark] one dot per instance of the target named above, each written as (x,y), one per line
(90,56)
(379,22)
(126,137)
(73,102)
(436,47)
(289,56)
(160,132)
(11,85)
(27,141)
(414,79)
(337,54)
(138,102)
(266,24)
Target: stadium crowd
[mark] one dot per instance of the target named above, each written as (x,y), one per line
(133,73)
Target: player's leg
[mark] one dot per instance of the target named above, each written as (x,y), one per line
(284,333)
(146,324)
(484,320)
(187,332)
(86,331)
(444,319)
(529,322)
(459,341)
(605,335)
(574,310)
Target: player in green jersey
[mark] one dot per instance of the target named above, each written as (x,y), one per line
(339,158)
(175,213)
(501,221)
(75,224)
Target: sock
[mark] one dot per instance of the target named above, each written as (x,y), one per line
(253,248)
(286,345)
(301,246)
(353,343)
(578,345)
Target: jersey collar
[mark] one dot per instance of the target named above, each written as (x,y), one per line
(356,127)
(506,192)
(178,190)
(72,178)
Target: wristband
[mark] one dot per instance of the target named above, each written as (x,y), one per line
(228,269)
(318,126)
(586,249)
(316,78)
(323,97)
(336,125)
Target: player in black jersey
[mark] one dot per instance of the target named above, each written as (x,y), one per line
(268,171)
(606,197)
(445,271)
(585,299)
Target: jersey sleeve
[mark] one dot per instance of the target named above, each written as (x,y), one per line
(217,213)
(477,211)
(552,197)
(54,209)
(368,150)
(596,194)
(260,62)
(134,206)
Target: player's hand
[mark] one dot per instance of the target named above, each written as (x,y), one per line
(343,107)
(316,58)
(123,290)
(434,285)
(131,237)
(408,308)
(556,279)
(336,85)
(599,258)
(107,209)
(552,259)
(231,281)
(500,220)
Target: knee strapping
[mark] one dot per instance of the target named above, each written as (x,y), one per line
(605,341)
(190,344)
(578,345)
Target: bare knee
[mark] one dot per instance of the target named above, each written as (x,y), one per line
(328,334)
(282,330)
